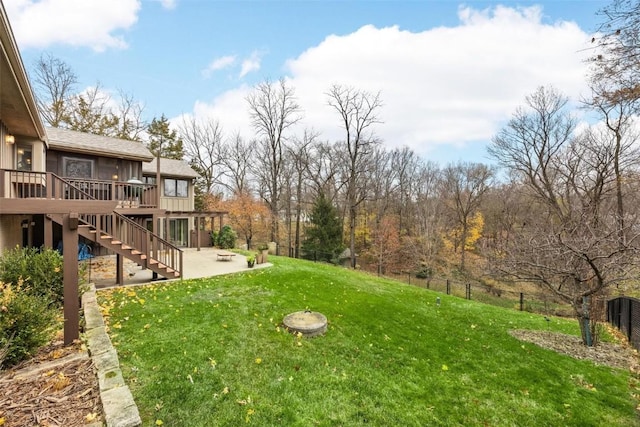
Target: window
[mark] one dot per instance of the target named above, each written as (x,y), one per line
(179,231)
(176,188)
(149,180)
(25,158)
(77,168)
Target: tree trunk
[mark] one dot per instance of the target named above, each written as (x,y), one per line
(352,235)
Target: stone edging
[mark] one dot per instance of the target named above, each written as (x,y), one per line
(120,410)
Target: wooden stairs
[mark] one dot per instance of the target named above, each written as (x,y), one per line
(125,237)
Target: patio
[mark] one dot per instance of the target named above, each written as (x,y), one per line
(203,263)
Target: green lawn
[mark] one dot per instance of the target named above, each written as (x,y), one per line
(212,352)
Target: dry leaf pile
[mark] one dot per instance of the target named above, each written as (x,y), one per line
(58,387)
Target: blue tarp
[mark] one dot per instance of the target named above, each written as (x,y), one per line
(84,251)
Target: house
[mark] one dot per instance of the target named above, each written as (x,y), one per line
(181,224)
(60,187)
(176,197)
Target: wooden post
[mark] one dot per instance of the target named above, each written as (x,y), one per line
(119,270)
(48,232)
(521,301)
(70,294)
(198,231)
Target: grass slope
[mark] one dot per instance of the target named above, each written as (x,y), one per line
(212,352)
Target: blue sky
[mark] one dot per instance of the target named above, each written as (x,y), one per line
(450,73)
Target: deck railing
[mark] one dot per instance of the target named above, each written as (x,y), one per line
(27,184)
(17,184)
(127,194)
(46,185)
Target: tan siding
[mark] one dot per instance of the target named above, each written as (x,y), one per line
(10,231)
(177,203)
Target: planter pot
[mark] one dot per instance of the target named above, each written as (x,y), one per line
(250,264)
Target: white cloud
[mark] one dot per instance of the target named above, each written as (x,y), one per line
(96,24)
(168,4)
(252,63)
(230,109)
(447,85)
(219,64)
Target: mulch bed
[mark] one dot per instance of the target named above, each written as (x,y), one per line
(57,387)
(605,353)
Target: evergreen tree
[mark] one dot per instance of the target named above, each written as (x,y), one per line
(324,236)
(161,136)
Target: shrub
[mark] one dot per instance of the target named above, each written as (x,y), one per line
(227,238)
(39,271)
(424,273)
(26,323)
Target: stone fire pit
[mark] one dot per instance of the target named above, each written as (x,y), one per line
(308,323)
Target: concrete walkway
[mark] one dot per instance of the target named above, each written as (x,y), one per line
(197,264)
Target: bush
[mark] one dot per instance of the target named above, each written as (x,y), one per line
(26,323)
(226,238)
(39,272)
(424,273)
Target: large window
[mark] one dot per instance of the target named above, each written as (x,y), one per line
(179,231)
(176,188)
(77,168)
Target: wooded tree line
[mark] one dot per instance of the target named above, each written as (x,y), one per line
(561,212)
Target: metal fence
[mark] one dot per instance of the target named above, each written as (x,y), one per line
(542,303)
(624,314)
(534,302)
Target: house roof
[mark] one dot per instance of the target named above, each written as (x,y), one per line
(169,167)
(18,110)
(88,143)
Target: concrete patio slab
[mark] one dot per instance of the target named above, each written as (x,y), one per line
(197,264)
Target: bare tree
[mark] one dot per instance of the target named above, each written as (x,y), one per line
(429,215)
(202,142)
(93,110)
(407,164)
(464,186)
(90,112)
(55,84)
(358,111)
(236,158)
(130,124)
(616,110)
(617,53)
(571,247)
(299,154)
(322,170)
(273,110)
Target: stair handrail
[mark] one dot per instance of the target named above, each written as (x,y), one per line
(151,245)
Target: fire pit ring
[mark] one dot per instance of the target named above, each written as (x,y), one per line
(308,323)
